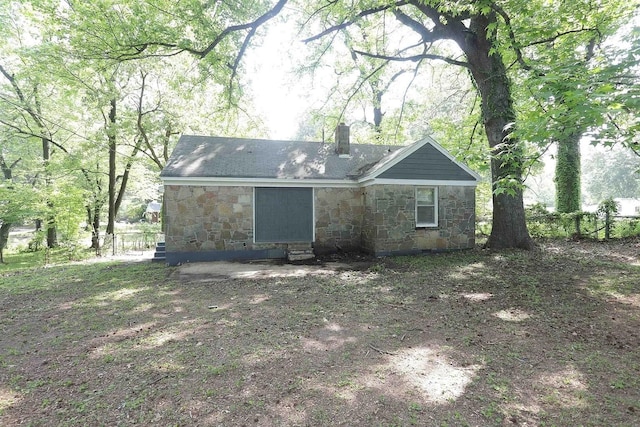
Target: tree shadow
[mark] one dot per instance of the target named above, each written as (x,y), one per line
(479,338)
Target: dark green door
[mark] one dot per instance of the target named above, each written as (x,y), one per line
(283,214)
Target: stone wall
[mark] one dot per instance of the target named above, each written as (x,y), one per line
(207,218)
(338,216)
(379,219)
(389,222)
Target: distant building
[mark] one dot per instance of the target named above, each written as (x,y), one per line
(152,213)
(628,206)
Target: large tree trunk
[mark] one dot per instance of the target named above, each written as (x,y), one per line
(567,179)
(509,227)
(568,174)
(94,208)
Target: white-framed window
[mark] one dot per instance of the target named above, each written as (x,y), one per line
(426,207)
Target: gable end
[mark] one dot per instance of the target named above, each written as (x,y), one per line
(427,163)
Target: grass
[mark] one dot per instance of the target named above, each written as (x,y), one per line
(548,337)
(28,260)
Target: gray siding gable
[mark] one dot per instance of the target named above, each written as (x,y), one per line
(428,163)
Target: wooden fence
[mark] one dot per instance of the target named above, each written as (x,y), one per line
(602,224)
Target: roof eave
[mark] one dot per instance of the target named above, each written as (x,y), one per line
(366,182)
(258,182)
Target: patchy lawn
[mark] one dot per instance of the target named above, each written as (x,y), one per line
(478,338)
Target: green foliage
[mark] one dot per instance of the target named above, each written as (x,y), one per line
(559,93)
(599,224)
(608,207)
(67,63)
(626,228)
(542,223)
(108,30)
(38,241)
(149,232)
(19,202)
(580,84)
(69,212)
(134,212)
(614,174)
(22,260)
(567,179)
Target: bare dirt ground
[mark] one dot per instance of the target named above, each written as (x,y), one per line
(478,338)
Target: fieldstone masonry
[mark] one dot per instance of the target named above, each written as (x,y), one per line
(378,218)
(339,213)
(206,218)
(389,220)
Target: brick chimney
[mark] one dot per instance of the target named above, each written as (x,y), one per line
(342,140)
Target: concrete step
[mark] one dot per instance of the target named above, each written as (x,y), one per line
(299,251)
(160,253)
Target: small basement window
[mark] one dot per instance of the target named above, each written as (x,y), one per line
(426,207)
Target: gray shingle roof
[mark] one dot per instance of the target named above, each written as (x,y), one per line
(206,156)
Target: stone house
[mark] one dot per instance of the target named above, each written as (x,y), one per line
(233,198)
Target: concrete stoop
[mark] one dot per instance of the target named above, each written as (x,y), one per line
(299,252)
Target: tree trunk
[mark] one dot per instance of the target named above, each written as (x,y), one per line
(377,110)
(4,238)
(52,234)
(111,219)
(567,179)
(52,238)
(94,220)
(509,227)
(568,174)
(125,177)
(7,172)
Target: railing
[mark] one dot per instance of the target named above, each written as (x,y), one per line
(602,224)
(132,242)
(583,224)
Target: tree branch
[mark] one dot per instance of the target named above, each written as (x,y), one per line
(426,34)
(359,16)
(414,58)
(29,133)
(6,169)
(404,98)
(12,80)
(562,34)
(251,25)
(201,53)
(33,113)
(239,56)
(512,37)
(359,86)
(143,137)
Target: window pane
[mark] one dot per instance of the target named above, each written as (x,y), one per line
(426,215)
(425,196)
